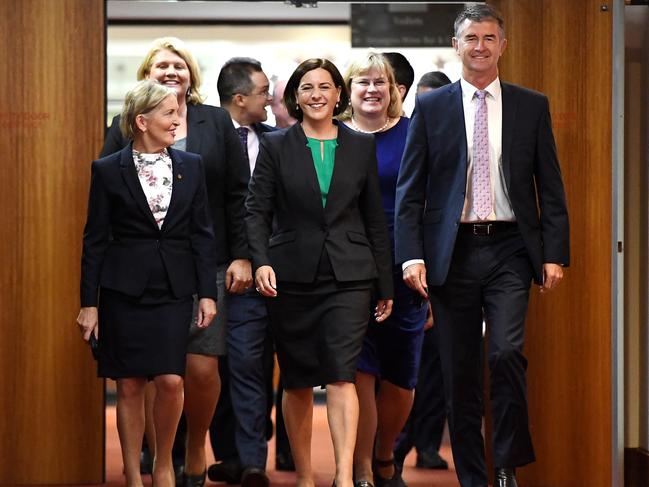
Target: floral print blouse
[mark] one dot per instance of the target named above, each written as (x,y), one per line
(156,177)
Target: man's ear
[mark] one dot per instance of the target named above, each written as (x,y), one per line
(238,100)
(503,46)
(402,90)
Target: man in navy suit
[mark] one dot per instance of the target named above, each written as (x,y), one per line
(480,213)
(244,92)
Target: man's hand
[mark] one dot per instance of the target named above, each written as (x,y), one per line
(552,275)
(265,281)
(415,278)
(238,277)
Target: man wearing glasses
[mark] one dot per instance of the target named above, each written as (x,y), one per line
(244,92)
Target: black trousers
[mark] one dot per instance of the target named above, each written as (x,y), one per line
(489,277)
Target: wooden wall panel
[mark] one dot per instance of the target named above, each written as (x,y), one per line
(564,50)
(51,115)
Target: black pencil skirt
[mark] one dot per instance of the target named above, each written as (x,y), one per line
(143,336)
(319,328)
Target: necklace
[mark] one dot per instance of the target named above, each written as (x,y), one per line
(357,128)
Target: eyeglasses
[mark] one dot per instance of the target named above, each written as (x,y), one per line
(265,94)
(365,83)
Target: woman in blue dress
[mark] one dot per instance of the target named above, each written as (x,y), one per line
(391,349)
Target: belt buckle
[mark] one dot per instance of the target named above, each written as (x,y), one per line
(482,229)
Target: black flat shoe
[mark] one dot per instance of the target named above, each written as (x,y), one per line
(395,481)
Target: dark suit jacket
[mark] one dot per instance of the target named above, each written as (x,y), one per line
(352,226)
(432,179)
(210,134)
(121,237)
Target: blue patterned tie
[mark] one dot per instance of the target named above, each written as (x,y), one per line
(480,179)
(243,137)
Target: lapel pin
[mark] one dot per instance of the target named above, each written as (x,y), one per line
(180,176)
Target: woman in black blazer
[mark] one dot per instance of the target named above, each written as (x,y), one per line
(207,131)
(148,246)
(320,244)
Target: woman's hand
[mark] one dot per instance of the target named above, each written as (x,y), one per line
(382,310)
(206,312)
(265,281)
(88,322)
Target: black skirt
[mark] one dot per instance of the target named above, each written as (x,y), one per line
(319,328)
(143,336)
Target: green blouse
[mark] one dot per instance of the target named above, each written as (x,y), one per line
(324,166)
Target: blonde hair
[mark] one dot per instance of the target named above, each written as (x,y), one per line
(140,100)
(176,46)
(363,65)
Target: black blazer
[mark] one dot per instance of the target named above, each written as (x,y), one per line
(432,179)
(288,227)
(210,134)
(121,237)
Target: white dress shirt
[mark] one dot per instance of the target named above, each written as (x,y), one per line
(253,144)
(501,207)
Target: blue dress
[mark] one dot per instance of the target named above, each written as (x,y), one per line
(392,349)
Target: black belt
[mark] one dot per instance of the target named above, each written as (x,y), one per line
(486,229)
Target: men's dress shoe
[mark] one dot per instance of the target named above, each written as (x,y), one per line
(254,477)
(431,460)
(284,462)
(193,480)
(505,477)
(228,471)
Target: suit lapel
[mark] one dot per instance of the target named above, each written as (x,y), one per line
(179,187)
(458,125)
(194,133)
(129,174)
(509,104)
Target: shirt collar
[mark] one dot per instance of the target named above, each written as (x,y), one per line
(237,125)
(468,90)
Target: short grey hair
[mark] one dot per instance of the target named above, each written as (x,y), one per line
(479,13)
(141,99)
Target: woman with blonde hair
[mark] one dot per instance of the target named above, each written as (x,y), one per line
(391,349)
(148,246)
(208,131)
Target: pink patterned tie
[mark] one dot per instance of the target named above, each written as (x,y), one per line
(480,179)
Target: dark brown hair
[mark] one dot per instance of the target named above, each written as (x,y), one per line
(290,92)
